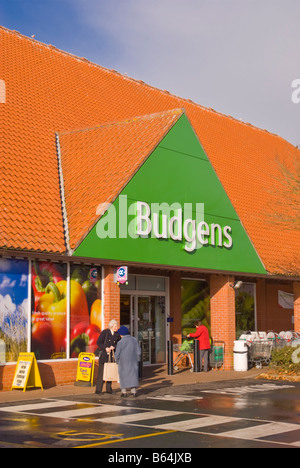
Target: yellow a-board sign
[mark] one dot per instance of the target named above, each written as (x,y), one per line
(85,369)
(27,373)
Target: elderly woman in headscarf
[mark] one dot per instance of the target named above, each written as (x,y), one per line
(127,356)
(107,342)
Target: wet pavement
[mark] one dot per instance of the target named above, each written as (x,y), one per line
(173,414)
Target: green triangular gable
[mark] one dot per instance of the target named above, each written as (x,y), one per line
(178,174)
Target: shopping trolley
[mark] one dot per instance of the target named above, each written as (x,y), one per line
(185,350)
(217,354)
(260,353)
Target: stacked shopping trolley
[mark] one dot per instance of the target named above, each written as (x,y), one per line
(261,344)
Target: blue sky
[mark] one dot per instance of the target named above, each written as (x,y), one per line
(239,57)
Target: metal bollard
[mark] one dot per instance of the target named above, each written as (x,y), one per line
(170,357)
(197,363)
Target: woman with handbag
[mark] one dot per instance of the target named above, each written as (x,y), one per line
(107,342)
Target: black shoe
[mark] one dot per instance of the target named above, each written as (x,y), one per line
(134,395)
(123,395)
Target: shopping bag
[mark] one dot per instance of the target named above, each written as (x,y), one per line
(110,371)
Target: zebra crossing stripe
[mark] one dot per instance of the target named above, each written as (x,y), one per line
(179,421)
(262,431)
(135,417)
(248,389)
(27,408)
(197,423)
(81,412)
(179,398)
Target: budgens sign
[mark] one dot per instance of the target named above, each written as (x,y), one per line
(185,224)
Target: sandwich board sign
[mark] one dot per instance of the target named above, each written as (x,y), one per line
(85,369)
(27,373)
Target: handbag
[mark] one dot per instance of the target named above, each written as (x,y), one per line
(99,352)
(111,371)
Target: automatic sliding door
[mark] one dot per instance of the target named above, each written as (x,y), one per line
(152,328)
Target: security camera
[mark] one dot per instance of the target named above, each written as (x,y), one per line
(236,284)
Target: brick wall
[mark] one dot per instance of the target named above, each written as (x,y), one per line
(296,289)
(52,374)
(111,297)
(223,314)
(270,316)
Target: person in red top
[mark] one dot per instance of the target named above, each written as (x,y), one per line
(202,336)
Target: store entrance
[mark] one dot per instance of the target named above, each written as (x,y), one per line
(145,317)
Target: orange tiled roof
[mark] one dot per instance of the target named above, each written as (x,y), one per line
(49,91)
(97,163)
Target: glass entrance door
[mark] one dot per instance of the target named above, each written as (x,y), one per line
(146,319)
(151,328)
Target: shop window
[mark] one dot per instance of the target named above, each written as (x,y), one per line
(151,283)
(245,308)
(131,284)
(49,310)
(13,308)
(85,309)
(145,283)
(195,305)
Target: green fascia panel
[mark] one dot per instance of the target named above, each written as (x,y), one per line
(177,172)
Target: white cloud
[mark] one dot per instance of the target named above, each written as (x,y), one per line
(7,307)
(7,282)
(237,56)
(23,280)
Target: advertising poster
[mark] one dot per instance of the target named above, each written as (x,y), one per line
(49,310)
(13,308)
(86,309)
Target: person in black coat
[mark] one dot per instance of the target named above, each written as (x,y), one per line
(107,342)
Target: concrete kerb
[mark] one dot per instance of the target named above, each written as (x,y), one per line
(155,379)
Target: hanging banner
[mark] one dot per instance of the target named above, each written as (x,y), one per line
(285,300)
(85,369)
(27,373)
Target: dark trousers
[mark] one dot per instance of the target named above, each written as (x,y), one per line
(100,382)
(204,355)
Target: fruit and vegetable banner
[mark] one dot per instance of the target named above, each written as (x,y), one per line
(49,311)
(86,309)
(13,308)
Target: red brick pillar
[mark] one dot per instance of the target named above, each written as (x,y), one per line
(223,314)
(111,296)
(175,307)
(296,285)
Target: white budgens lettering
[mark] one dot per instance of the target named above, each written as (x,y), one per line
(160,226)
(203,233)
(175,226)
(227,235)
(144,225)
(189,232)
(162,221)
(216,230)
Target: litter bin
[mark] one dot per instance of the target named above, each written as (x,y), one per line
(240,355)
